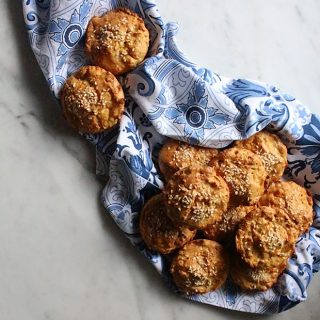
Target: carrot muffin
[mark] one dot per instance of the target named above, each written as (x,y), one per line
(271,150)
(200,266)
(175,155)
(262,240)
(244,173)
(255,279)
(293,199)
(224,229)
(196,196)
(118,41)
(92,100)
(158,231)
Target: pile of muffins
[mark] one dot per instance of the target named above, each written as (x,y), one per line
(92,98)
(226,213)
(222,213)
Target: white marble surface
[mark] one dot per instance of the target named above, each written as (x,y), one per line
(61,257)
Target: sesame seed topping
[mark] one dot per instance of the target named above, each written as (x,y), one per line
(81,99)
(114,36)
(236,178)
(257,275)
(269,161)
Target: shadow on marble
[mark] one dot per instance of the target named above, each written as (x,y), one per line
(48,112)
(54,124)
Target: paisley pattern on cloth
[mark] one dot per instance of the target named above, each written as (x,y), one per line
(169,96)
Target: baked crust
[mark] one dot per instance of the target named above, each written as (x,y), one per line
(196,196)
(118,41)
(262,240)
(254,279)
(271,150)
(294,200)
(158,231)
(244,173)
(92,100)
(200,266)
(175,155)
(224,229)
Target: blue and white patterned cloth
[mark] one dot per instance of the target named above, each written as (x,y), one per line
(169,96)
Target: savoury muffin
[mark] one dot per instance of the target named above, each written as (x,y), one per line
(271,150)
(175,155)
(293,199)
(262,240)
(92,100)
(244,173)
(224,229)
(254,279)
(200,266)
(118,41)
(158,231)
(196,196)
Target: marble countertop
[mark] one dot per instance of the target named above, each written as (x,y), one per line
(61,256)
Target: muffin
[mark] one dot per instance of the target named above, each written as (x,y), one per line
(271,150)
(158,231)
(244,173)
(254,279)
(118,41)
(175,155)
(92,100)
(294,200)
(200,266)
(196,196)
(262,240)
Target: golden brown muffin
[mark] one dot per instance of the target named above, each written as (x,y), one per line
(118,41)
(196,196)
(224,229)
(92,100)
(259,279)
(262,240)
(244,173)
(200,266)
(271,150)
(158,231)
(294,200)
(175,155)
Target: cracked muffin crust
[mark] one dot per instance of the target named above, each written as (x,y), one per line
(175,155)
(254,279)
(158,231)
(92,100)
(224,229)
(262,240)
(271,150)
(118,41)
(294,200)
(200,266)
(244,173)
(196,196)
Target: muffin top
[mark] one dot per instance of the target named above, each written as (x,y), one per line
(118,41)
(158,231)
(196,196)
(175,155)
(262,240)
(92,100)
(271,150)
(294,200)
(244,173)
(200,266)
